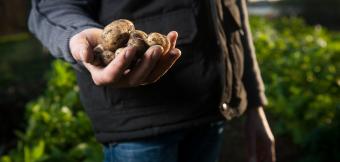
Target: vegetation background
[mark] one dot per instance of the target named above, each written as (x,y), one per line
(42,119)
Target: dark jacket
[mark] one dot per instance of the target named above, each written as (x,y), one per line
(217,72)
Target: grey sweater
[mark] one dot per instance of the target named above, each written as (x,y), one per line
(54,23)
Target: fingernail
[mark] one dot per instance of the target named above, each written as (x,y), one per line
(174,54)
(127,54)
(155,55)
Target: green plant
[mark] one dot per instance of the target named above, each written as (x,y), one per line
(21,65)
(300,66)
(57,128)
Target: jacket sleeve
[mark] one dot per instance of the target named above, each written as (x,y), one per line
(54,22)
(252,76)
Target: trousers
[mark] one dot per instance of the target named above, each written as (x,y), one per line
(199,144)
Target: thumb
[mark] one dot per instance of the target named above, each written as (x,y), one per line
(80,48)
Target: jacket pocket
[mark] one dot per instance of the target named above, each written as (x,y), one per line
(183,21)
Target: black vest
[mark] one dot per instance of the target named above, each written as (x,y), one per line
(188,94)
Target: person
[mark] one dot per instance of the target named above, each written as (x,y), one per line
(168,107)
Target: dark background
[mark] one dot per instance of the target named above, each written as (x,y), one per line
(24,64)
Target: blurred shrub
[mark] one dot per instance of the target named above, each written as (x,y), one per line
(57,128)
(22,64)
(300,66)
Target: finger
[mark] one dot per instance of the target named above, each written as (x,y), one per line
(94,70)
(93,36)
(114,71)
(143,69)
(79,47)
(121,62)
(172,36)
(87,55)
(96,73)
(273,153)
(82,44)
(164,64)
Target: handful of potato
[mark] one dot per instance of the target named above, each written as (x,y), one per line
(122,33)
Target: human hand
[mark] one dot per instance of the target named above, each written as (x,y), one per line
(117,73)
(260,139)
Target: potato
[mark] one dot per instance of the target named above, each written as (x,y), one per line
(159,39)
(137,39)
(122,33)
(117,34)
